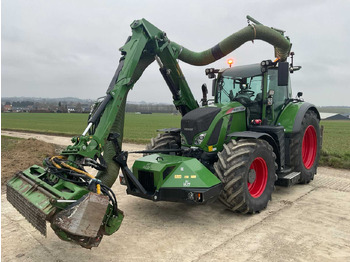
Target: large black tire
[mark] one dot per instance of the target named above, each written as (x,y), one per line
(167,140)
(306,147)
(247,169)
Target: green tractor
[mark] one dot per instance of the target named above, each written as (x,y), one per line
(253,136)
(236,147)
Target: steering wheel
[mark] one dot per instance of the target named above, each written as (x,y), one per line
(249,93)
(244,100)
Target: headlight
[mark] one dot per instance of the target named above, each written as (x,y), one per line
(199,139)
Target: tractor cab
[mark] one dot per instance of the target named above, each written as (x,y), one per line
(263,89)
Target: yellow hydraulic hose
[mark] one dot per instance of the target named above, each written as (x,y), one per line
(98,186)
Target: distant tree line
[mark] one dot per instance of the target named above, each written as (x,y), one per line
(64,106)
(22,104)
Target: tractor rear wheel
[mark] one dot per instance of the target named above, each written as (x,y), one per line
(167,140)
(247,168)
(305,151)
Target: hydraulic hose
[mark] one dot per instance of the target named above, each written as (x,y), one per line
(109,176)
(231,43)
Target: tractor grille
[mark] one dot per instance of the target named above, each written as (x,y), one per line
(146,179)
(167,171)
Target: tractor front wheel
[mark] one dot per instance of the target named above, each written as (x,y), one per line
(247,169)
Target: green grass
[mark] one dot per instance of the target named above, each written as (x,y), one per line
(62,124)
(336,144)
(141,128)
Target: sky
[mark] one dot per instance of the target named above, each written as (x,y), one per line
(70,48)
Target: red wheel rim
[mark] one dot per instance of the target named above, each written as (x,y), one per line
(309,147)
(258,186)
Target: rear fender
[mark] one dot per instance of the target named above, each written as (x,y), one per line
(293,114)
(301,113)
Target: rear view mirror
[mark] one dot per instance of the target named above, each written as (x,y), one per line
(283,73)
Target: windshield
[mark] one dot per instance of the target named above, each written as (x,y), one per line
(244,90)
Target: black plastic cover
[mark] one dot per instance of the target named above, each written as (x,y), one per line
(197,121)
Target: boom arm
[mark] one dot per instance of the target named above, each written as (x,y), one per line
(146,43)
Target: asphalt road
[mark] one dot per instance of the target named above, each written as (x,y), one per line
(301,223)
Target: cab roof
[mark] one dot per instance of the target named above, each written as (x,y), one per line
(243,71)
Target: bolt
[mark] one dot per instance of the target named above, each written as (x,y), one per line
(251,176)
(136,23)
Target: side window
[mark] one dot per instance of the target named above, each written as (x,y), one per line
(281,92)
(290,95)
(255,84)
(225,87)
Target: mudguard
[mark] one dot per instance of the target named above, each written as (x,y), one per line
(293,114)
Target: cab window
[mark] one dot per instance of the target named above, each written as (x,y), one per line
(244,90)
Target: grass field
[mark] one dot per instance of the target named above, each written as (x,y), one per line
(65,124)
(141,128)
(138,128)
(336,144)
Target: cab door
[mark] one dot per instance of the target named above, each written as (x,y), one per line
(276,96)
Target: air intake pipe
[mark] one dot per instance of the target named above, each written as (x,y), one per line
(254,31)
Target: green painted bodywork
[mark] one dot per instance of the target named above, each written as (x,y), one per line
(112,223)
(186,172)
(287,117)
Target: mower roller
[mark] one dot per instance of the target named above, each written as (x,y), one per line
(235,147)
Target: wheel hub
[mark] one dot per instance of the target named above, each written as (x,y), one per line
(251,176)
